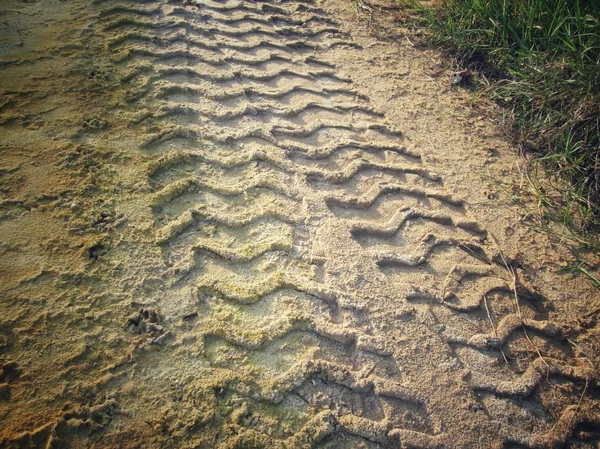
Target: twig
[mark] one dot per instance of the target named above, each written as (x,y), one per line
(587,382)
(493,327)
(473,253)
(370,370)
(592,312)
(486,81)
(518,307)
(431,142)
(301,397)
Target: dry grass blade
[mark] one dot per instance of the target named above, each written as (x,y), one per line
(487,309)
(513,274)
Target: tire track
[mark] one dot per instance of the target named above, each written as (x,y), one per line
(259,145)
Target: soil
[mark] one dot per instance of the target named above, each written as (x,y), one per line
(270,224)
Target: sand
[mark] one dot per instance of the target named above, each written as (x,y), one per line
(271,224)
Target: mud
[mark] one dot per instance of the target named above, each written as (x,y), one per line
(269,224)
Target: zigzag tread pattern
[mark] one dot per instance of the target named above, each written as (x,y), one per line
(250,130)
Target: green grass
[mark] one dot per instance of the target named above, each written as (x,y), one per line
(543,60)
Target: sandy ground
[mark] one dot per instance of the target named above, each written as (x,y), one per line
(270,224)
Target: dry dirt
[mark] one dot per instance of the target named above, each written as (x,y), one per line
(269,224)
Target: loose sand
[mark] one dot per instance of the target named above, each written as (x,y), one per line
(270,224)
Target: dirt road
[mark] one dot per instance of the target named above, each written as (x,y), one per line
(261,224)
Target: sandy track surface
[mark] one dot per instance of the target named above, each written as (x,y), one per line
(258,224)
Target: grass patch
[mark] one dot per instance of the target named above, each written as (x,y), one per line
(543,60)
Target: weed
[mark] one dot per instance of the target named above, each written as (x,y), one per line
(543,60)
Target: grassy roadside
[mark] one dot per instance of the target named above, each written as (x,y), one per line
(542,61)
